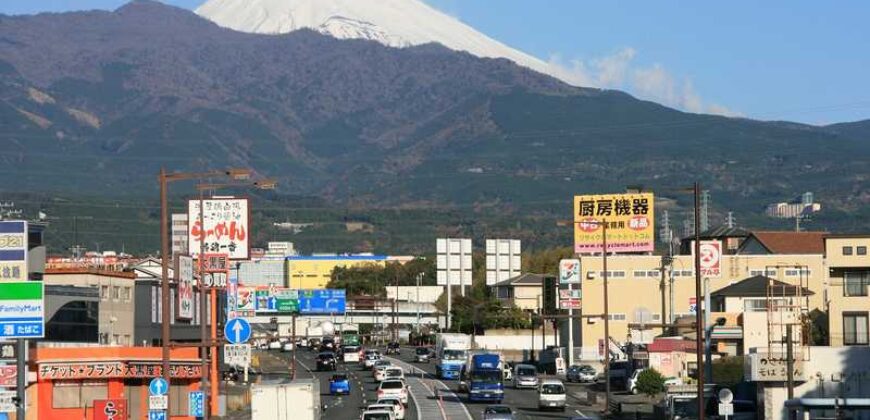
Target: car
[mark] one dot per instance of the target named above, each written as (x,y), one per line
(379,364)
(369,360)
(313,343)
(581,373)
(525,376)
(325,361)
(350,354)
(377,415)
(422,355)
(498,412)
(389,407)
(551,394)
(632,381)
(380,372)
(394,388)
(673,381)
(394,372)
(339,384)
(398,407)
(394,348)
(288,346)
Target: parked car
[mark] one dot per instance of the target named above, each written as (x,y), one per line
(422,355)
(394,348)
(326,361)
(398,407)
(275,345)
(339,384)
(551,394)
(632,381)
(581,373)
(393,388)
(525,376)
(498,412)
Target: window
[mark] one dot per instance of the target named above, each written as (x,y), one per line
(77,394)
(639,273)
(855,283)
(656,317)
(116,292)
(797,272)
(753,273)
(847,250)
(761,305)
(861,250)
(653,273)
(128,293)
(855,328)
(613,274)
(104,292)
(616,317)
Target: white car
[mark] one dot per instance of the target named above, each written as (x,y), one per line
(377,415)
(275,345)
(398,407)
(394,372)
(379,407)
(381,372)
(551,394)
(632,381)
(393,388)
(369,360)
(288,346)
(350,354)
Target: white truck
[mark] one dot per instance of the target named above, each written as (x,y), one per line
(451,351)
(298,400)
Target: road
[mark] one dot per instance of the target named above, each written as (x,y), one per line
(524,402)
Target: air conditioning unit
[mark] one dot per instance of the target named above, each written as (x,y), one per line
(591,320)
(591,275)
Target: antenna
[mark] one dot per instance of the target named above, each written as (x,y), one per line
(730,221)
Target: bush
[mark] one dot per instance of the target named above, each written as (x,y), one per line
(728,371)
(650,382)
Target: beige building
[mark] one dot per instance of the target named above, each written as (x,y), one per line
(117,306)
(524,291)
(642,287)
(848,267)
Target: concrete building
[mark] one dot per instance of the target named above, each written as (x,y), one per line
(179,233)
(315,271)
(72,314)
(414,294)
(116,304)
(848,266)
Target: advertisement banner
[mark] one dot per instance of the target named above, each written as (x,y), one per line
(13,251)
(8,373)
(569,271)
(630,222)
(114,409)
(711,258)
(22,310)
(224,228)
(184,278)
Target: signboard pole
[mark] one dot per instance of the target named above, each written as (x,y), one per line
(21,379)
(293,337)
(203,314)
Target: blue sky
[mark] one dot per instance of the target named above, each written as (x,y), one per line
(796,60)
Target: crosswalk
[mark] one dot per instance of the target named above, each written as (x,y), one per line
(433,399)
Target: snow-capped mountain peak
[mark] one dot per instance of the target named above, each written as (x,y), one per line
(396,23)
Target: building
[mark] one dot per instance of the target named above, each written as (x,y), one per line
(799,207)
(179,233)
(648,289)
(848,267)
(315,271)
(72,314)
(116,304)
(524,291)
(69,379)
(422,294)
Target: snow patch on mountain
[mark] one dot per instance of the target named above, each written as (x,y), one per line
(395,23)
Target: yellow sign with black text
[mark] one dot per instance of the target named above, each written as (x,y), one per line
(630,220)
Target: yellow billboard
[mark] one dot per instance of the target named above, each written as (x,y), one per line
(630,220)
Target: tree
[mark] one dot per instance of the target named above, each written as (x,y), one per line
(728,371)
(650,382)
(819,330)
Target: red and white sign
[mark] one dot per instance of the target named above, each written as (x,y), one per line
(224,228)
(115,409)
(693,305)
(711,258)
(8,374)
(184,276)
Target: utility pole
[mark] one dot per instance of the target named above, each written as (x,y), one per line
(699,321)
(606,322)
(708,327)
(789,358)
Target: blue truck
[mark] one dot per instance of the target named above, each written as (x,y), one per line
(485,378)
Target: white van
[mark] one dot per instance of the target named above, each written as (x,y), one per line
(551,394)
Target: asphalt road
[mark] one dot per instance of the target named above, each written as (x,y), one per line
(524,401)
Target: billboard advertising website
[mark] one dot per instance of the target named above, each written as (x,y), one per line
(630,222)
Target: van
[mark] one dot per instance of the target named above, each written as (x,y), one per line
(525,376)
(551,394)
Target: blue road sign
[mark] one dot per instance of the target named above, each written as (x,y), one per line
(196,404)
(322,301)
(158,386)
(237,331)
(157,415)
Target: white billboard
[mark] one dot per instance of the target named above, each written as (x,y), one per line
(453,261)
(184,280)
(226,227)
(503,260)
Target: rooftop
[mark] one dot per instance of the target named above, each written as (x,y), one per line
(791,242)
(527,279)
(756,286)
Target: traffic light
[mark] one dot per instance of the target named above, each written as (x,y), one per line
(550,295)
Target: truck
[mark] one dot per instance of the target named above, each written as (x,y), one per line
(297,400)
(451,349)
(485,378)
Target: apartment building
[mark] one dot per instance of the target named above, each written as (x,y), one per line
(848,266)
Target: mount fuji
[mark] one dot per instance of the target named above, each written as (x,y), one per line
(395,23)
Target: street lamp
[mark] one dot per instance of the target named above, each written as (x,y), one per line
(163,180)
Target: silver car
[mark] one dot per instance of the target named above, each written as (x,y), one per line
(498,412)
(525,376)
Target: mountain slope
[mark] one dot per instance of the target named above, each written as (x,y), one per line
(358,123)
(395,23)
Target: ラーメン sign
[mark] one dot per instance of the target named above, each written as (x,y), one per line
(224,229)
(630,220)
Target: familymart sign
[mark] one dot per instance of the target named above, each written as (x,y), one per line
(22,303)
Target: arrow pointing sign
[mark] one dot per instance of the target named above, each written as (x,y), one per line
(158,386)
(237,331)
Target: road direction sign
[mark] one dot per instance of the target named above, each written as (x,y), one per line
(237,354)
(7,402)
(158,386)
(156,415)
(158,402)
(196,404)
(237,331)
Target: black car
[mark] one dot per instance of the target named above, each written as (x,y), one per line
(326,361)
(393,348)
